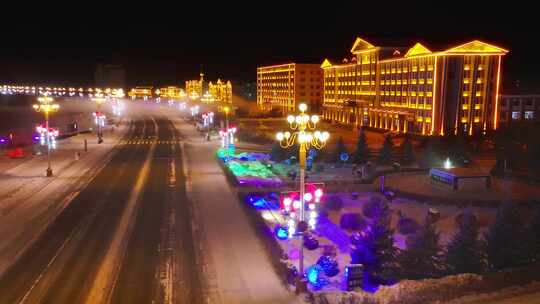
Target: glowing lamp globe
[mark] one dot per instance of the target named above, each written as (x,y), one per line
(315,119)
(318,193)
(297,204)
(325,135)
(302,107)
(280,136)
(308,197)
(290,119)
(287,201)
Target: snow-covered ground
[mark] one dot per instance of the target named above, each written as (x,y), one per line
(237,268)
(29,201)
(328,231)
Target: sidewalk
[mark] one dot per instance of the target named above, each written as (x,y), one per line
(238,269)
(29,201)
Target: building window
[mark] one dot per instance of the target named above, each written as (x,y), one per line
(529,115)
(529,103)
(516,102)
(515,115)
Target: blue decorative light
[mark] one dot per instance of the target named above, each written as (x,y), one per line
(282,233)
(313,273)
(344,156)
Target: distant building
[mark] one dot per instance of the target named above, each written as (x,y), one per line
(423,92)
(110,75)
(220,91)
(171,92)
(284,86)
(141,93)
(519,108)
(194,88)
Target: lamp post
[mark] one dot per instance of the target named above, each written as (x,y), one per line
(99,100)
(226,109)
(47,106)
(304,130)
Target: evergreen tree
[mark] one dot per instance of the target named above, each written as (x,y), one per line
(385,156)
(362,153)
(533,238)
(423,256)
(277,153)
(459,149)
(407,151)
(431,155)
(465,252)
(505,239)
(376,249)
(340,149)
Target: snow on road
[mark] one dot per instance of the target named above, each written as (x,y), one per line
(29,201)
(238,269)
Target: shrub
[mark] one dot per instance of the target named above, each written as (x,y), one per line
(310,242)
(356,238)
(352,221)
(329,265)
(376,207)
(406,225)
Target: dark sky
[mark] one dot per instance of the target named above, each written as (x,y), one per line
(232,42)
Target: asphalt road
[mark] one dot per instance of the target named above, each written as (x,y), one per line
(158,265)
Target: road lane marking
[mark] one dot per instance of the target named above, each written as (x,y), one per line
(105,280)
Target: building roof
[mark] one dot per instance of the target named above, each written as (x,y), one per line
(476,46)
(417,49)
(361,45)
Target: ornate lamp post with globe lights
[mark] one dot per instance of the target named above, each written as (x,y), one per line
(99,117)
(304,131)
(46,106)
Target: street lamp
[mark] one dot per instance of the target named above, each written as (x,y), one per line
(47,106)
(99,116)
(304,131)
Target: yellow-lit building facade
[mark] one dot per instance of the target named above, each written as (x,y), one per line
(194,88)
(422,92)
(140,92)
(171,92)
(283,86)
(220,91)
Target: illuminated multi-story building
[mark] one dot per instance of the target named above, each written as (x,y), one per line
(194,88)
(170,92)
(423,92)
(140,92)
(221,91)
(283,86)
(519,108)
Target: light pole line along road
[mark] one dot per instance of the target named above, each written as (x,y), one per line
(91,214)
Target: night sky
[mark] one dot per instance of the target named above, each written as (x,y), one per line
(167,54)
